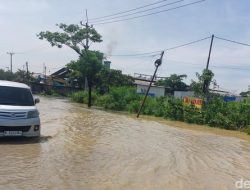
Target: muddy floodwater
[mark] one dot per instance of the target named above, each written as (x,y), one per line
(96,150)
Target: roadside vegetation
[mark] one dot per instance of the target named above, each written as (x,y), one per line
(18,76)
(215,112)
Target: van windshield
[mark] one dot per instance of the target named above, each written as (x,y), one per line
(15,96)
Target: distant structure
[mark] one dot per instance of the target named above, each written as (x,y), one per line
(155,91)
(182,94)
(107,64)
(145,77)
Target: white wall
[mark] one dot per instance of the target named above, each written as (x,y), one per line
(181,94)
(154,90)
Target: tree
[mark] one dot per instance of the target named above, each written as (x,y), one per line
(73,36)
(174,82)
(244,94)
(19,76)
(78,38)
(111,77)
(87,66)
(6,75)
(201,87)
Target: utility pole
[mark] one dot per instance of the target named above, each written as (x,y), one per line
(210,50)
(23,73)
(158,62)
(86,48)
(205,84)
(45,71)
(86,25)
(27,70)
(11,54)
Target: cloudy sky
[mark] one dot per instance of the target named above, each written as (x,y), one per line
(21,20)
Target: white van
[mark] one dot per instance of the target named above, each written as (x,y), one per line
(18,113)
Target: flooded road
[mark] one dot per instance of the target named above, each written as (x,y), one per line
(96,150)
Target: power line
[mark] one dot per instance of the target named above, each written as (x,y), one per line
(149,14)
(215,66)
(168,49)
(134,9)
(233,68)
(187,44)
(148,54)
(232,41)
(138,12)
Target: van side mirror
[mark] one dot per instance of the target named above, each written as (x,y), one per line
(37,100)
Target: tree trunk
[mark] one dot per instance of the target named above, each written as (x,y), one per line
(89,99)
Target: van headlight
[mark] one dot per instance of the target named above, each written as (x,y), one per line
(33,114)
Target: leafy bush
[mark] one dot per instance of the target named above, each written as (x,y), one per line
(248,130)
(79,97)
(173,109)
(215,112)
(119,98)
(150,106)
(191,114)
(134,106)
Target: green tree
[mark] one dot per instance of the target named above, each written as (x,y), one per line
(201,86)
(174,82)
(78,39)
(112,78)
(19,76)
(6,75)
(245,94)
(87,66)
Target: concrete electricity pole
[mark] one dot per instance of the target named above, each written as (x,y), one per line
(27,69)
(158,62)
(86,48)
(11,54)
(205,84)
(210,50)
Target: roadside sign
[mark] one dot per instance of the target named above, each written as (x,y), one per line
(197,102)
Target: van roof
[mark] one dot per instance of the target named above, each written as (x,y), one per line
(13,84)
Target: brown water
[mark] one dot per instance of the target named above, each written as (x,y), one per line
(96,150)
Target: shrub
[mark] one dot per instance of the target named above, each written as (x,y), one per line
(215,112)
(150,106)
(119,98)
(248,130)
(134,106)
(79,97)
(173,109)
(191,114)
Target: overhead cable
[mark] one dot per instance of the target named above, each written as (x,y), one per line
(232,41)
(149,14)
(127,11)
(138,12)
(168,49)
